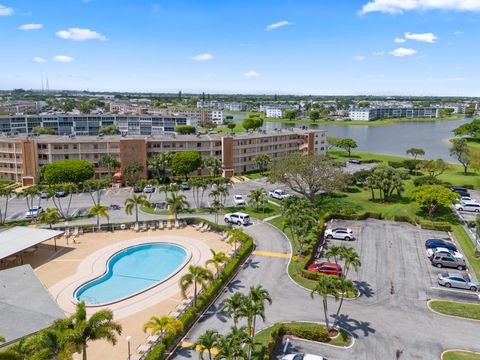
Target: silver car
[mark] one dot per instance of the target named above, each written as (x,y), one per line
(457,280)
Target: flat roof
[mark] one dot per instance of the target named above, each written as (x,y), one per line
(19,238)
(25,304)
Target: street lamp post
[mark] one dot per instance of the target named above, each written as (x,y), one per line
(129,340)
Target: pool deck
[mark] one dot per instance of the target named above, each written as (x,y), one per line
(73,264)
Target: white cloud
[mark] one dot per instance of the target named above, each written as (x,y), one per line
(278,25)
(401,52)
(378,53)
(251,73)
(38,59)
(458,32)
(359,57)
(399,40)
(27,27)
(5,10)
(400,6)
(203,57)
(425,37)
(62,58)
(78,34)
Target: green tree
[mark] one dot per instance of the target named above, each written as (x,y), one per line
(470,110)
(196,276)
(40,130)
(198,190)
(109,130)
(434,168)
(175,203)
(415,152)
(252,123)
(231,126)
(214,165)
(133,202)
(160,163)
(314,115)
(335,252)
(471,129)
(6,193)
(347,145)
(110,162)
(299,219)
(325,287)
(351,259)
(231,306)
(343,287)
(68,171)
(185,129)
(217,259)
(290,114)
(236,236)
(186,162)
(50,216)
(50,343)
(162,325)
(386,180)
(256,197)
(96,187)
(85,107)
(132,172)
(460,151)
(231,346)
(308,175)
(433,197)
(206,342)
(99,210)
(262,161)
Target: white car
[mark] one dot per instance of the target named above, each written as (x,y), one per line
(468,206)
(237,218)
(340,233)
(278,194)
(33,212)
(148,189)
(303,357)
(238,200)
(441,251)
(466,199)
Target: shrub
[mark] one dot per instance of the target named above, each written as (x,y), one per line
(438,226)
(426,180)
(396,164)
(468,186)
(403,218)
(157,353)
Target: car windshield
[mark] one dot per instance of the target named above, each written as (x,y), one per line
(298,357)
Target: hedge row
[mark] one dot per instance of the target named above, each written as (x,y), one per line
(207,296)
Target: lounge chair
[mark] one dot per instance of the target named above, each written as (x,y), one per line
(177,224)
(183,223)
(152,226)
(199,226)
(224,236)
(206,228)
(169,225)
(141,349)
(144,227)
(136,227)
(152,339)
(160,225)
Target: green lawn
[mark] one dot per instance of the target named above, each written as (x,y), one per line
(223,129)
(257,175)
(460,355)
(468,248)
(464,310)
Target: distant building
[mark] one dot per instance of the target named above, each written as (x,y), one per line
(21,107)
(265,107)
(21,157)
(222,105)
(273,113)
(368,114)
(201,115)
(457,107)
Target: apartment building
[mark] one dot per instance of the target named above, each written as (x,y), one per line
(201,115)
(274,113)
(21,157)
(20,107)
(265,107)
(222,105)
(89,125)
(368,114)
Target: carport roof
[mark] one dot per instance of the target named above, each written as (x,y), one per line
(25,304)
(19,238)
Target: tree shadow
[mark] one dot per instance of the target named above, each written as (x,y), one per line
(234,286)
(250,263)
(354,326)
(364,289)
(184,352)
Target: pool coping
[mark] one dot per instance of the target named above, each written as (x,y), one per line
(171,275)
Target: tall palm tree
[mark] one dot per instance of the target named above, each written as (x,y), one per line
(133,202)
(232,305)
(162,325)
(351,259)
(100,326)
(51,343)
(110,162)
(217,259)
(325,287)
(195,276)
(231,346)
(99,211)
(335,252)
(236,236)
(257,197)
(213,164)
(343,286)
(206,342)
(18,351)
(176,202)
(49,216)
(29,195)
(7,194)
(255,305)
(159,164)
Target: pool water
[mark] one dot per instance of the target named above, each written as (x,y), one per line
(131,271)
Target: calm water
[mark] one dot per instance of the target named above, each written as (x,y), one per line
(133,270)
(395,139)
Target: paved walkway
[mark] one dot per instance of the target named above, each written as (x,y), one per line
(384,327)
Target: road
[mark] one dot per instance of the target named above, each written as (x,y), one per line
(389,320)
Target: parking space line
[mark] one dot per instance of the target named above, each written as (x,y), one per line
(456,291)
(271,254)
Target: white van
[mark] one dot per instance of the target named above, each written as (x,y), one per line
(468,206)
(237,218)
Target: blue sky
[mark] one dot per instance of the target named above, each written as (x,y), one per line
(249,46)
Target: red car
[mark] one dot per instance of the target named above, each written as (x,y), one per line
(327,268)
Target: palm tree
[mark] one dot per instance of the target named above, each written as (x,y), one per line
(18,351)
(257,197)
(217,259)
(351,259)
(162,325)
(49,216)
(100,326)
(99,211)
(133,202)
(176,202)
(255,306)
(159,164)
(216,206)
(110,162)
(335,252)
(29,195)
(196,275)
(213,164)
(206,342)
(230,347)
(51,343)
(131,172)
(6,193)
(236,236)
(325,286)
(343,286)
(232,305)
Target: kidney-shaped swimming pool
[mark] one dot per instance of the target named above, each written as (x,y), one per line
(131,271)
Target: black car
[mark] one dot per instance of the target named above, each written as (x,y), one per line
(460,191)
(114,207)
(435,243)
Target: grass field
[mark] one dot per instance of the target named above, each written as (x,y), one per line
(464,310)
(460,355)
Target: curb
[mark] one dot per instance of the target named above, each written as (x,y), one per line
(450,316)
(459,350)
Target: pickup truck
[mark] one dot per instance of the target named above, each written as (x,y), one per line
(278,194)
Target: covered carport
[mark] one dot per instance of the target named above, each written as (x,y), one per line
(16,241)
